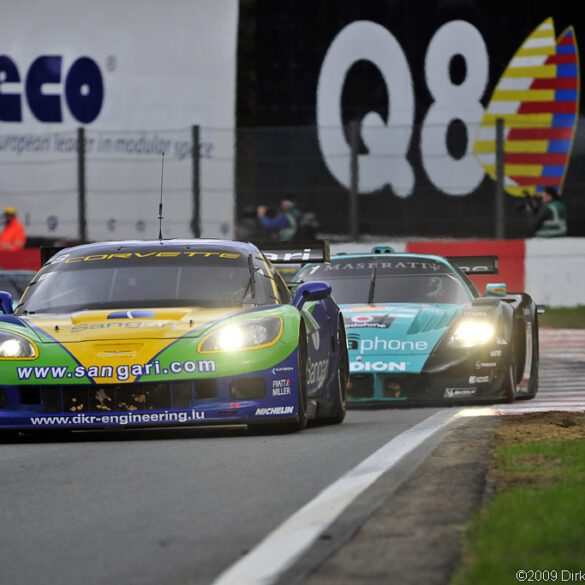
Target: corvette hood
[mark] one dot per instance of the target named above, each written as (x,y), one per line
(394,337)
(126,325)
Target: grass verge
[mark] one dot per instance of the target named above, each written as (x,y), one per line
(535,519)
(563,318)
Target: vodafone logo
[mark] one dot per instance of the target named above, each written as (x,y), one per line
(362,319)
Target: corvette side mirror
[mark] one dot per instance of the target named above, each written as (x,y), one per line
(541,309)
(311,291)
(6,303)
(496,289)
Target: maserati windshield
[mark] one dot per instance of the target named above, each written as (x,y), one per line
(397,288)
(143,278)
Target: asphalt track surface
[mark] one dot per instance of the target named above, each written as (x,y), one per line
(183,505)
(165,506)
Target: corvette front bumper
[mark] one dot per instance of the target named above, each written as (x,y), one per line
(265,396)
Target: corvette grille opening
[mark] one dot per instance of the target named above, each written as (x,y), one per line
(206,388)
(111,397)
(182,394)
(30,395)
(361,386)
(247,388)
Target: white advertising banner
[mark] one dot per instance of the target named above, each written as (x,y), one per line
(137,75)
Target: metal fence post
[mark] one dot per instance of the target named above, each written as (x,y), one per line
(81,193)
(195,182)
(499,228)
(354,181)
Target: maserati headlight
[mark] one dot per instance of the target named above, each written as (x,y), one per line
(252,334)
(14,346)
(471,333)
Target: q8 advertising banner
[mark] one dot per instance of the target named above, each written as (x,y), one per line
(424,82)
(137,75)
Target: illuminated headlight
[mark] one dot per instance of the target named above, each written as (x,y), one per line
(252,334)
(471,333)
(15,346)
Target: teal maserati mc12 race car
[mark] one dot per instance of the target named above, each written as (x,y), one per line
(419,331)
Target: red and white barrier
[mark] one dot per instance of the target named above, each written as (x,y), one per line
(552,270)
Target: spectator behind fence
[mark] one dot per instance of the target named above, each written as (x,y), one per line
(549,217)
(248,228)
(13,236)
(284,224)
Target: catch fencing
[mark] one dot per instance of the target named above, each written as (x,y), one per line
(359,181)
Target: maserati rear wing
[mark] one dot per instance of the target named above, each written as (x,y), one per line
(475,264)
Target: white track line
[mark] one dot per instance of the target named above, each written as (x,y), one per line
(284,545)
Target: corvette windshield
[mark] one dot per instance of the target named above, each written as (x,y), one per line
(397,288)
(146,279)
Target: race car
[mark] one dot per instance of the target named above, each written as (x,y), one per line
(419,331)
(170,332)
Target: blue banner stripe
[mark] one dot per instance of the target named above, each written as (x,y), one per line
(553,171)
(566,95)
(566,49)
(558,146)
(563,120)
(567,70)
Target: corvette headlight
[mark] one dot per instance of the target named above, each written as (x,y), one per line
(471,333)
(252,334)
(15,346)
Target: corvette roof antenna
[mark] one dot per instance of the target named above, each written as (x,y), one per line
(160,205)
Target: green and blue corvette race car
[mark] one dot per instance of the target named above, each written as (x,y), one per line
(419,331)
(147,333)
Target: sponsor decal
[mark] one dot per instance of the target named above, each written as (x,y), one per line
(379,344)
(281,387)
(496,353)
(374,321)
(397,265)
(67,259)
(120,419)
(479,365)
(459,392)
(378,366)
(479,379)
(317,371)
(501,341)
(121,372)
(291,256)
(274,410)
(282,369)
(353,341)
(129,324)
